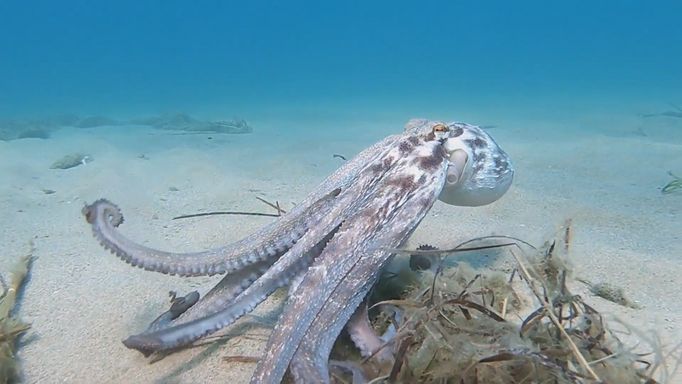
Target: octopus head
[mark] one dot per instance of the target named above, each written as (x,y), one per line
(479,171)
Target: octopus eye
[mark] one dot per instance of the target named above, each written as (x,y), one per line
(440,128)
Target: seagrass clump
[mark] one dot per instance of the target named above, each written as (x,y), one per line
(521,325)
(10,326)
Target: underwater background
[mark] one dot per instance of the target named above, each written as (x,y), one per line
(175,107)
(339,60)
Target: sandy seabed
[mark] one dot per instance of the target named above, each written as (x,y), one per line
(82,301)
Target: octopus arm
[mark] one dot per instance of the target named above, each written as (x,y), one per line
(269,243)
(323,225)
(341,276)
(279,275)
(266,244)
(310,362)
(364,336)
(218,298)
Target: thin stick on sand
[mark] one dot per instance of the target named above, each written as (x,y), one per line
(225,213)
(276,206)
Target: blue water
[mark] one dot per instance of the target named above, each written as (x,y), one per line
(563,86)
(129,58)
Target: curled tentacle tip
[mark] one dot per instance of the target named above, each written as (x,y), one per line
(89,212)
(105,207)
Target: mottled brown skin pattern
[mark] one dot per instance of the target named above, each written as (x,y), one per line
(349,265)
(334,243)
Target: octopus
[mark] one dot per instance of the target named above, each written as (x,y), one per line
(330,249)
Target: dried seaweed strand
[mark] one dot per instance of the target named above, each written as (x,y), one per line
(473,305)
(3,285)
(10,326)
(438,252)
(379,379)
(399,359)
(493,237)
(548,310)
(18,275)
